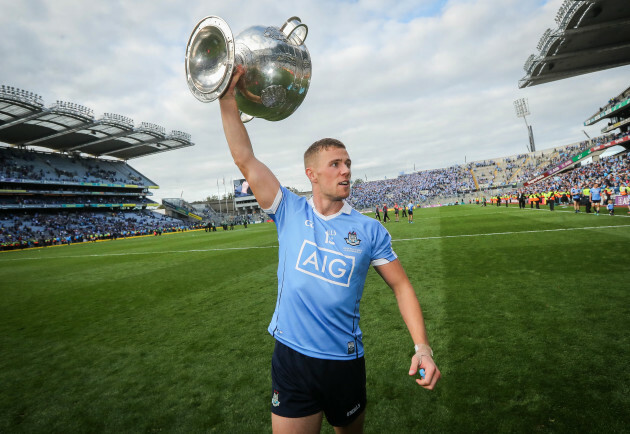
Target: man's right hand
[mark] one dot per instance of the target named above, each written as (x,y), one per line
(231,90)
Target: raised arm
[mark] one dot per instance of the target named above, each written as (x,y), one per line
(394,275)
(262,181)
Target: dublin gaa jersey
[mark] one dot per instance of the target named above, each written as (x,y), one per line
(596,193)
(322,265)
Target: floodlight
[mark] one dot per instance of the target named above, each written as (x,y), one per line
(522,110)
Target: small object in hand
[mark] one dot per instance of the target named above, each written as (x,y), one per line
(422,373)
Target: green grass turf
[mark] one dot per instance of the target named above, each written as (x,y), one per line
(168,334)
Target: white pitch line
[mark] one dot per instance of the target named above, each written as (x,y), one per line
(101,255)
(511,233)
(275,247)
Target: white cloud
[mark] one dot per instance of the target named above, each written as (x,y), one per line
(402,83)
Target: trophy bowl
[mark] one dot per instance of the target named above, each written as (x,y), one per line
(277,66)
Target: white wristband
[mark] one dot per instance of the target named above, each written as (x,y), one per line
(426,350)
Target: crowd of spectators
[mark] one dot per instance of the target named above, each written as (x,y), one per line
(418,187)
(616,99)
(432,185)
(612,171)
(41,229)
(11,201)
(53,167)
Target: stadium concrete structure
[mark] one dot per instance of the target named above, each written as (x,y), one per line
(72,128)
(591,35)
(62,159)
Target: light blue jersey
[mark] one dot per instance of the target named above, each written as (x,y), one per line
(596,193)
(576,192)
(322,265)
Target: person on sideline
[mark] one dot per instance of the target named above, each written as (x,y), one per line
(576,194)
(596,197)
(385,216)
(325,251)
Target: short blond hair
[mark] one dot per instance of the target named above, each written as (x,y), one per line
(319,146)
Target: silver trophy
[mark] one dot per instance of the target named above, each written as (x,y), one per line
(276,61)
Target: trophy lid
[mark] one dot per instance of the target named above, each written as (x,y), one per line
(209,59)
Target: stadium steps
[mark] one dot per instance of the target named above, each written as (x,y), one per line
(472,173)
(514,175)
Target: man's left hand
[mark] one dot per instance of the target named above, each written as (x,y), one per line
(431,372)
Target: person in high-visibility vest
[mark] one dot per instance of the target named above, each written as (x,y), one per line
(551,200)
(586,193)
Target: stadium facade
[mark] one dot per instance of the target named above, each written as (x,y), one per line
(62,167)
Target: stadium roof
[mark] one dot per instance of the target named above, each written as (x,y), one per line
(592,35)
(68,127)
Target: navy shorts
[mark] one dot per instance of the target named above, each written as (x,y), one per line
(303,386)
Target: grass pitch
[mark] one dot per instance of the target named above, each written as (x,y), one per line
(527,311)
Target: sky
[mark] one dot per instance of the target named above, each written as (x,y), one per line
(406,85)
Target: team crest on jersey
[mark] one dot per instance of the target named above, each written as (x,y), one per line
(352,239)
(274,399)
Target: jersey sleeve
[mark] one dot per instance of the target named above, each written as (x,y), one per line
(284,201)
(382,251)
(273,209)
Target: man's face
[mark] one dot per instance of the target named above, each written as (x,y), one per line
(331,171)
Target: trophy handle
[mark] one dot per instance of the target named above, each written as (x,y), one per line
(295,30)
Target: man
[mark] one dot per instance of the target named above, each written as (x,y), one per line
(410,212)
(586,197)
(385,216)
(576,195)
(325,250)
(551,199)
(521,199)
(596,197)
(396,211)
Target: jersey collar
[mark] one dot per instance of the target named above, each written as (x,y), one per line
(345,209)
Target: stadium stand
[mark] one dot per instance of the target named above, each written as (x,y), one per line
(556,169)
(78,189)
(181,208)
(41,229)
(31,179)
(465,182)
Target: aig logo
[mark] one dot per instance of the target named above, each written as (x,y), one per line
(325,264)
